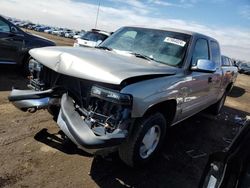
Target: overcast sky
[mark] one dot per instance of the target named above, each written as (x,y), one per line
(226,20)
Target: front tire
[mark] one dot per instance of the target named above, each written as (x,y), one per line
(144,140)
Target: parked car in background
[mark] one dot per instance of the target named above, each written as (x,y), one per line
(57,31)
(32,27)
(27,25)
(78,34)
(123,94)
(69,34)
(91,38)
(49,31)
(42,28)
(244,68)
(15,44)
(230,72)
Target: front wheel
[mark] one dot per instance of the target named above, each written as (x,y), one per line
(144,141)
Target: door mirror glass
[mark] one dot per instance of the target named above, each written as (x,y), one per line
(204,65)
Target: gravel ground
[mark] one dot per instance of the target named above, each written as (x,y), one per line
(33,153)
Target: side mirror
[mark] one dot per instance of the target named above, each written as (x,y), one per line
(204,65)
(13,29)
(98,42)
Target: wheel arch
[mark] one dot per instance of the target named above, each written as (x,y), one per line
(167,108)
(229,87)
(25,58)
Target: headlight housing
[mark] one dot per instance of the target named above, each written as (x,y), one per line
(111,95)
(35,66)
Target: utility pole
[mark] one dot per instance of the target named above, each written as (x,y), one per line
(97,14)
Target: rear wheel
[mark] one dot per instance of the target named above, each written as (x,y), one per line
(144,141)
(216,108)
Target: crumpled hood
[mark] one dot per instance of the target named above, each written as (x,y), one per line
(97,65)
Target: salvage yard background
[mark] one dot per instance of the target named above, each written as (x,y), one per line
(33,154)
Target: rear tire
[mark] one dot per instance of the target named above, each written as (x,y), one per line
(215,109)
(144,140)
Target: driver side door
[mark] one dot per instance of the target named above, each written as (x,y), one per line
(196,89)
(11,42)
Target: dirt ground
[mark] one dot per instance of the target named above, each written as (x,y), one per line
(32,153)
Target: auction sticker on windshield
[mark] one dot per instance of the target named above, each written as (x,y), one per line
(175,41)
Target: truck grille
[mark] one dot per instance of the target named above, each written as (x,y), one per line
(78,89)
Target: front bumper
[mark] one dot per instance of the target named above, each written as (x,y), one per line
(73,125)
(30,99)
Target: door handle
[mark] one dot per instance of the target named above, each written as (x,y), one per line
(210,79)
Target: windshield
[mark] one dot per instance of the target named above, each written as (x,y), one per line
(94,36)
(162,46)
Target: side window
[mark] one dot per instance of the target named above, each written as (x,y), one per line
(225,61)
(230,62)
(200,51)
(215,51)
(4,27)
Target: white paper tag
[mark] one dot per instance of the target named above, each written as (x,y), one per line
(175,41)
(212,182)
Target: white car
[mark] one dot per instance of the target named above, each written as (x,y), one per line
(91,38)
(78,35)
(49,30)
(69,34)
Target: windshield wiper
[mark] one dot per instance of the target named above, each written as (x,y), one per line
(142,56)
(104,48)
(145,57)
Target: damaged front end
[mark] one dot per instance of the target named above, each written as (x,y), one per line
(94,115)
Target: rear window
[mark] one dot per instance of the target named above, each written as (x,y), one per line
(94,36)
(225,61)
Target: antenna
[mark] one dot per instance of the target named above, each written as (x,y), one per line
(97,14)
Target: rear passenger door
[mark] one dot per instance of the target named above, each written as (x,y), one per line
(216,90)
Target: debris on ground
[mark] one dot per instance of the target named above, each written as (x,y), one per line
(227,140)
(167,157)
(194,154)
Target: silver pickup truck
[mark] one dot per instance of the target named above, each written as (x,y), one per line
(123,94)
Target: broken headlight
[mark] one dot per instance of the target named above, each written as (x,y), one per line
(35,69)
(111,95)
(35,66)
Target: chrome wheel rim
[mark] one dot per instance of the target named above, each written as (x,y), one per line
(150,141)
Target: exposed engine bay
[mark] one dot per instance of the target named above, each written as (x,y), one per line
(104,109)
